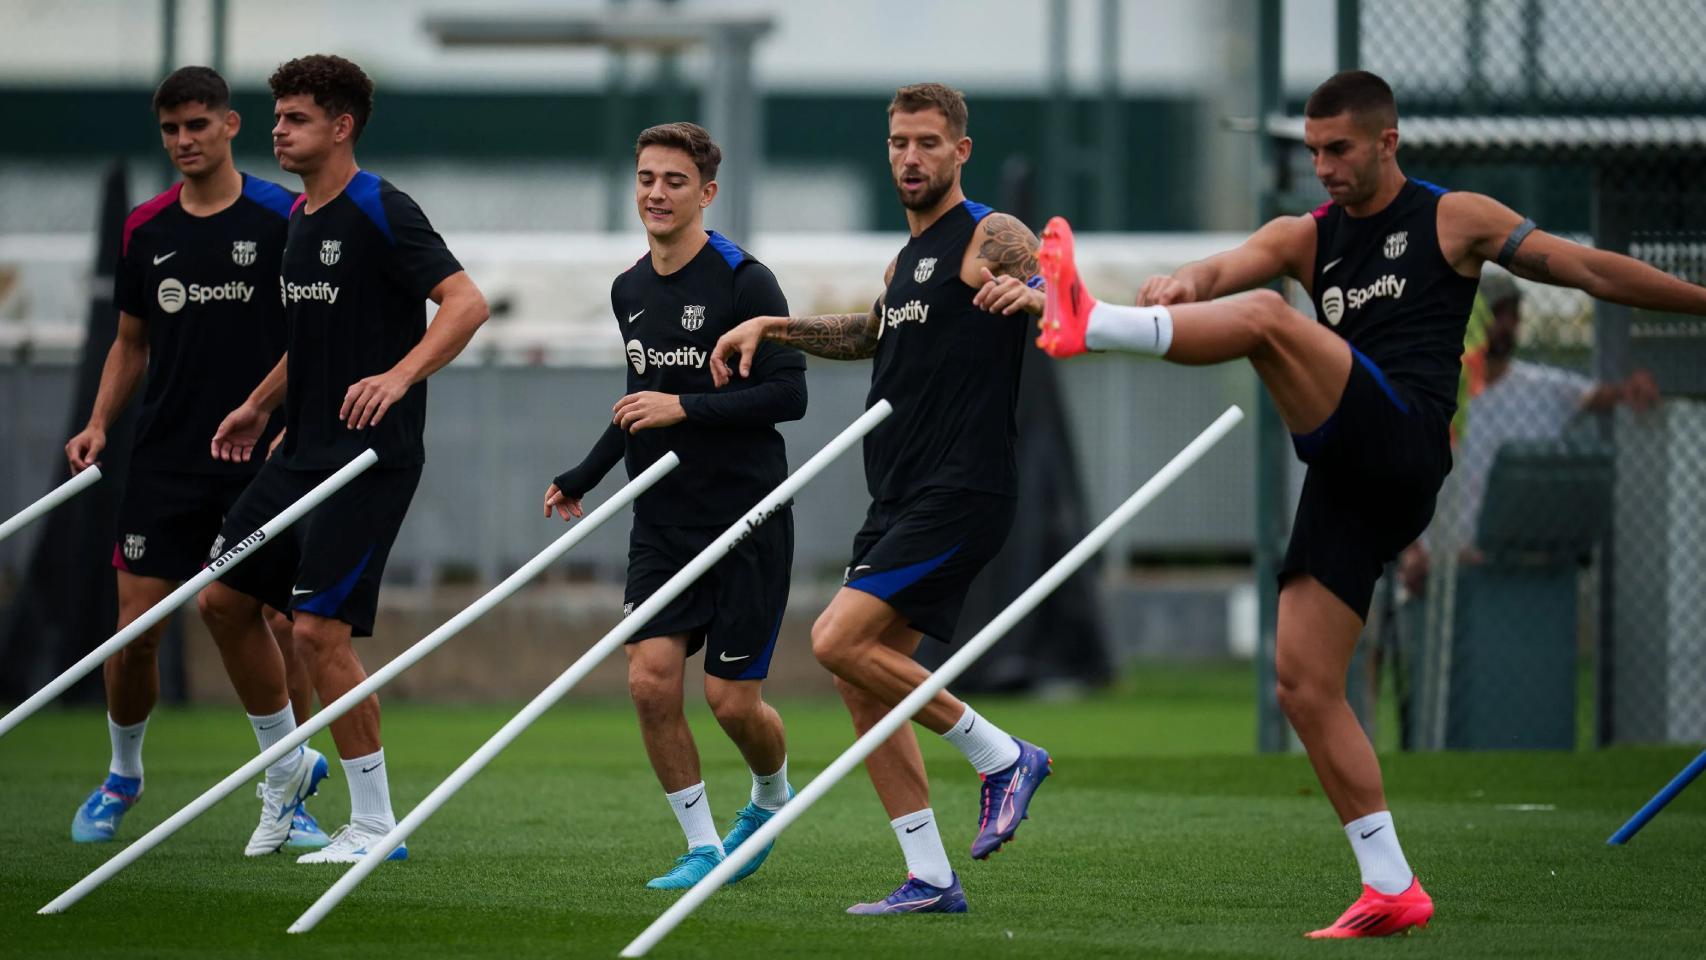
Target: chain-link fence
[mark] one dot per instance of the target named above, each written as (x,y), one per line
(1559,598)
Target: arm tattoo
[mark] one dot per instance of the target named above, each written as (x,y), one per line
(844,336)
(1532,265)
(1009,247)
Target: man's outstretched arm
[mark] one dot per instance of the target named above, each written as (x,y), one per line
(1487,229)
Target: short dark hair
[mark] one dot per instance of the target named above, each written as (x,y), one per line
(689,138)
(1357,92)
(925,96)
(337,85)
(184,85)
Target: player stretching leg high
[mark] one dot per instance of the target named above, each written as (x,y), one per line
(194,290)
(670,308)
(360,262)
(942,478)
(1391,265)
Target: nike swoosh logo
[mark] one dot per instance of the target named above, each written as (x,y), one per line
(973,724)
(160,260)
(373,768)
(270,725)
(634,316)
(1331,265)
(918,828)
(1374,831)
(298,593)
(1005,820)
(724,656)
(700,797)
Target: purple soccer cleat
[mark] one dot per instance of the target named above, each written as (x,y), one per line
(916,896)
(1006,797)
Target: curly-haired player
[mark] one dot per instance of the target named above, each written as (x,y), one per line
(360,262)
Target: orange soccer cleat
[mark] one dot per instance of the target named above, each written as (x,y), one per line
(1066,313)
(1377,914)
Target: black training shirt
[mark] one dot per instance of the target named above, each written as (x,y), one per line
(731,454)
(356,277)
(205,289)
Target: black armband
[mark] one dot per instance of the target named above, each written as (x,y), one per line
(1508,251)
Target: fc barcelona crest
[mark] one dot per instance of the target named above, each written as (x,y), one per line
(1396,244)
(692,316)
(925,268)
(134,546)
(243,252)
(330,251)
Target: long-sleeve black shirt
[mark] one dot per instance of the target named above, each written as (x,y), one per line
(731,454)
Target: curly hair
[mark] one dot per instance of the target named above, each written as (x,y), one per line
(184,85)
(689,138)
(338,86)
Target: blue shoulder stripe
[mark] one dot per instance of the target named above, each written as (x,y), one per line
(1433,188)
(732,254)
(364,190)
(269,195)
(977,210)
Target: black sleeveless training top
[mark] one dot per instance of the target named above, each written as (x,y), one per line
(1382,283)
(950,369)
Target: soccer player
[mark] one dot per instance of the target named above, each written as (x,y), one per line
(360,262)
(1367,392)
(670,308)
(196,312)
(942,478)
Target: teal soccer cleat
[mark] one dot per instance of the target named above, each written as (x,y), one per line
(305,832)
(690,868)
(747,821)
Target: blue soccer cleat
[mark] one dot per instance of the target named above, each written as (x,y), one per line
(916,896)
(689,869)
(747,821)
(305,832)
(99,816)
(1006,797)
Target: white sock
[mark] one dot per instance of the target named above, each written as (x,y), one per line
(693,811)
(269,730)
(127,747)
(986,745)
(1137,329)
(770,790)
(921,845)
(369,793)
(1375,842)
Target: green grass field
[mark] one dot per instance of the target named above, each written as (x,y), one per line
(1160,835)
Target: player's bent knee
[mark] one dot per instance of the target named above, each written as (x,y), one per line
(223,608)
(652,691)
(733,704)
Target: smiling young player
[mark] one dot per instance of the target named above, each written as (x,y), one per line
(670,307)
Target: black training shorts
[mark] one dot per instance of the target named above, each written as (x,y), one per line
(734,610)
(920,556)
(167,520)
(1375,469)
(330,561)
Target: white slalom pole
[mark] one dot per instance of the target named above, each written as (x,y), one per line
(54,498)
(189,588)
(938,681)
(379,678)
(708,557)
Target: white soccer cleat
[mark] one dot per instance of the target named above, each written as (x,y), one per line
(279,807)
(350,845)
